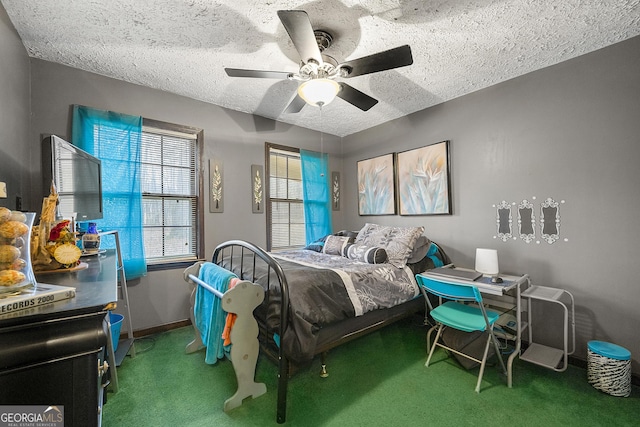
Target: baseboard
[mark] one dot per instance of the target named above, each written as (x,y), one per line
(157,329)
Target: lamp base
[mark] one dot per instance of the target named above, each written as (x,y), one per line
(496,279)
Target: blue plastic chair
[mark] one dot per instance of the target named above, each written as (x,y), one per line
(454,313)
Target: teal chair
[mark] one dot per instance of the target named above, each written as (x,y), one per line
(456,313)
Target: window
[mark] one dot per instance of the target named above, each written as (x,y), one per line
(171,206)
(285,210)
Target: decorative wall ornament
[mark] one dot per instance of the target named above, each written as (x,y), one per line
(526,221)
(504,221)
(257,186)
(216,203)
(335,191)
(549,220)
(376,186)
(423,180)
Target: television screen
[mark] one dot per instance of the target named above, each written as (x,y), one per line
(77,177)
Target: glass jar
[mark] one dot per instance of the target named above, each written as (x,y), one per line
(15,256)
(91,239)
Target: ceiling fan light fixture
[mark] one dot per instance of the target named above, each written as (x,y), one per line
(318,92)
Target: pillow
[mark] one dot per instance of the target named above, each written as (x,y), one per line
(398,242)
(421,266)
(336,245)
(347,233)
(318,245)
(368,254)
(432,259)
(420,250)
(366,231)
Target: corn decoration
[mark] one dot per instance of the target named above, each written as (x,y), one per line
(53,244)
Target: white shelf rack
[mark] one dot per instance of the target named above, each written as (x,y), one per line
(543,355)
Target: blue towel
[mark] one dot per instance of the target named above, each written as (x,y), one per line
(210,317)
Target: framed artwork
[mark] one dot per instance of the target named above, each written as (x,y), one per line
(257,189)
(424,183)
(376,186)
(335,191)
(216,203)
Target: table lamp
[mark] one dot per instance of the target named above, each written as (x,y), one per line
(487,263)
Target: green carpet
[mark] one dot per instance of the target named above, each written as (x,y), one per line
(377,380)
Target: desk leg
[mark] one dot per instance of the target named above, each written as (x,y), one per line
(518,343)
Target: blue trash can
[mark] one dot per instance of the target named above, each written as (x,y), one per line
(609,368)
(116,324)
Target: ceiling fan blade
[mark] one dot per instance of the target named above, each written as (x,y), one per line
(298,25)
(381,61)
(295,105)
(238,72)
(354,97)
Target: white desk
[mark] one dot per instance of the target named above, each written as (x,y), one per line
(501,290)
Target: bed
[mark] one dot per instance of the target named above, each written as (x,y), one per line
(339,288)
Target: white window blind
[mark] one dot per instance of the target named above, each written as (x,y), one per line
(285,199)
(169,195)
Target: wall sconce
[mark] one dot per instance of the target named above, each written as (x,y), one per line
(487,263)
(318,92)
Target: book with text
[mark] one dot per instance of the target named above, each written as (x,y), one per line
(43,293)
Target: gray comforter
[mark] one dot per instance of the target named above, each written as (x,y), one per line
(325,289)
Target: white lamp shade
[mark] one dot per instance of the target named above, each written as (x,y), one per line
(487,261)
(318,92)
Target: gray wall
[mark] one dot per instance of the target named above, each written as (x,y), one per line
(15,151)
(570,132)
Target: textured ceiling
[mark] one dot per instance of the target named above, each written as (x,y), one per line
(182,46)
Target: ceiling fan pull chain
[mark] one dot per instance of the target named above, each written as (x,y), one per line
(321,145)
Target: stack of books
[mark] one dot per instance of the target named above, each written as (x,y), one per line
(27,297)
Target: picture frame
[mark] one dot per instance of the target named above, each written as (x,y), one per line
(335,191)
(216,173)
(376,185)
(257,189)
(424,180)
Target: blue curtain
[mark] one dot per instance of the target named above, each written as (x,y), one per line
(316,195)
(115,139)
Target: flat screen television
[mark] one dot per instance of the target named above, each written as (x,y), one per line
(77,176)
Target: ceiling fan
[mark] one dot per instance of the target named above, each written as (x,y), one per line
(318,72)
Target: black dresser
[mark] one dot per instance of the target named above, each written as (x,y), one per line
(54,354)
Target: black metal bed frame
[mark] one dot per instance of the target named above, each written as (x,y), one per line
(283,364)
(229,252)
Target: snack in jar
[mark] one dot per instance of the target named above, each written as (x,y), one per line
(15,266)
